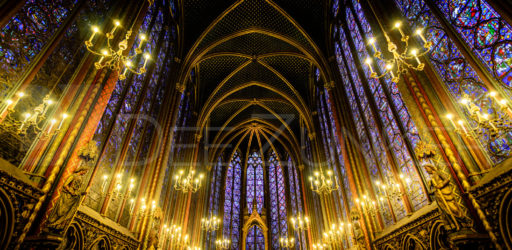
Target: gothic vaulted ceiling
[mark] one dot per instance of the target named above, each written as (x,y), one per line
(253,60)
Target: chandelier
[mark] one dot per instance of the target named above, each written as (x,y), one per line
(401,61)
(210,224)
(492,123)
(176,238)
(323,184)
(286,242)
(223,243)
(30,123)
(300,223)
(320,246)
(335,234)
(117,191)
(188,182)
(368,205)
(114,58)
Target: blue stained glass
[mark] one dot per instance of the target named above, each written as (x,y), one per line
(485,32)
(255,185)
(23,37)
(232,200)
(279,227)
(255,239)
(395,139)
(458,75)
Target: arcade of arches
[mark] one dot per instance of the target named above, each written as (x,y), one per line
(256,124)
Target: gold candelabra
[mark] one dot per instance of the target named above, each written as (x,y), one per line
(407,59)
(320,246)
(492,123)
(115,59)
(211,223)
(117,191)
(334,235)
(300,223)
(223,243)
(368,205)
(176,237)
(188,182)
(285,242)
(30,122)
(323,184)
(144,210)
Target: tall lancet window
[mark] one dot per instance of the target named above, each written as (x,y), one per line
(278,226)
(231,222)
(296,200)
(453,68)
(385,129)
(255,185)
(255,239)
(487,34)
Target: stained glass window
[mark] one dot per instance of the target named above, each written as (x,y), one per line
(278,226)
(213,203)
(382,132)
(232,194)
(255,239)
(394,136)
(452,67)
(141,95)
(26,34)
(255,185)
(485,32)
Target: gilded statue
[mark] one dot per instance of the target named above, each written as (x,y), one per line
(68,201)
(72,191)
(441,187)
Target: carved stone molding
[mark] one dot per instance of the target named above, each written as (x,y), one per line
(416,229)
(494,195)
(94,229)
(21,197)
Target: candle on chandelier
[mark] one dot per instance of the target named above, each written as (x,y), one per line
(104,185)
(52,123)
(146,58)
(95,30)
(132,205)
(9,102)
(116,24)
(450,118)
(47,106)
(368,61)
(461,123)
(414,52)
(389,67)
(371,41)
(419,32)
(142,39)
(397,26)
(26,115)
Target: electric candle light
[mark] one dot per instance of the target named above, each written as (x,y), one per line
(419,32)
(52,123)
(397,26)
(116,24)
(368,61)
(94,31)
(146,58)
(461,123)
(142,39)
(26,115)
(414,52)
(371,41)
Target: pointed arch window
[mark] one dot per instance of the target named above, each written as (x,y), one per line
(386,132)
(487,34)
(457,74)
(255,181)
(255,239)
(278,224)
(231,222)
